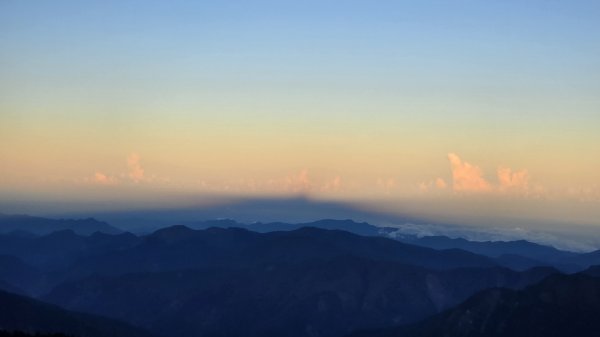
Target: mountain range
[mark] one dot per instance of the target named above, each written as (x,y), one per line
(42,226)
(223,278)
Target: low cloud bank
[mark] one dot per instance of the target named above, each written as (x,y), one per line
(557,240)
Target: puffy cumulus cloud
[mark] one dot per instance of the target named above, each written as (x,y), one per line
(103,179)
(136,172)
(511,180)
(467,177)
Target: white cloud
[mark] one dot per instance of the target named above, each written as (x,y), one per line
(512,180)
(557,240)
(103,179)
(440,183)
(136,172)
(467,177)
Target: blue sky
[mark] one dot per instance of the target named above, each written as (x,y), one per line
(331,99)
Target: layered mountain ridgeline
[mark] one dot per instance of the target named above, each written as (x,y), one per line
(519,254)
(43,226)
(18,277)
(360,228)
(279,283)
(558,306)
(530,250)
(26,315)
(179,247)
(324,297)
(234,282)
(61,248)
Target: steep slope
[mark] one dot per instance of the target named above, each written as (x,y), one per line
(29,315)
(592,271)
(17,276)
(585,260)
(559,306)
(319,297)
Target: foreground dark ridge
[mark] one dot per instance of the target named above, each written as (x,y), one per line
(28,315)
(24,334)
(559,306)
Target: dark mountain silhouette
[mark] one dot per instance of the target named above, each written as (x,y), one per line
(179,247)
(29,315)
(249,210)
(522,248)
(21,234)
(592,271)
(559,306)
(24,334)
(42,226)
(17,276)
(11,288)
(61,248)
(518,262)
(228,281)
(320,297)
(360,228)
(33,265)
(585,260)
(518,255)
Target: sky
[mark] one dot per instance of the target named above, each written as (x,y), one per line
(458,109)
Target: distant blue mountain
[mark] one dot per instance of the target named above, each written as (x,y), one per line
(360,228)
(180,247)
(250,210)
(586,259)
(518,254)
(41,226)
(490,248)
(63,246)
